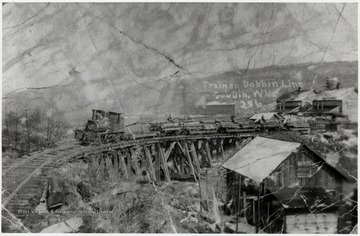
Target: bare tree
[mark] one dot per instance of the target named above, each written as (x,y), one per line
(55,129)
(11,131)
(30,128)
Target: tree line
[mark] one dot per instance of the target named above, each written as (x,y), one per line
(31,128)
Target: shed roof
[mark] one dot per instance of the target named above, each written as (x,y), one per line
(291,110)
(298,124)
(290,96)
(260,157)
(331,110)
(266,115)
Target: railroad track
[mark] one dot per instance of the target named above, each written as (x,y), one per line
(17,161)
(23,180)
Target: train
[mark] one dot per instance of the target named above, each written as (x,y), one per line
(109,127)
(103,127)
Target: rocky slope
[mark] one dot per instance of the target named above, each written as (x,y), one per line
(151,59)
(130,206)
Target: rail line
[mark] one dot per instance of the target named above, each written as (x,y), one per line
(23,181)
(16,163)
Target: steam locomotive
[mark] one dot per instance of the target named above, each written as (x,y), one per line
(103,127)
(109,127)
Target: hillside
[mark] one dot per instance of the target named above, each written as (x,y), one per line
(155,59)
(185,96)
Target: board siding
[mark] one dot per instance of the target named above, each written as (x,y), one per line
(312,223)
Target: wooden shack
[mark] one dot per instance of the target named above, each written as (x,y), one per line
(284,187)
(289,103)
(288,107)
(328,105)
(325,107)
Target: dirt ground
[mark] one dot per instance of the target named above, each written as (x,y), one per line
(136,206)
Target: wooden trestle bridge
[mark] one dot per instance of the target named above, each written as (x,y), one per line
(161,158)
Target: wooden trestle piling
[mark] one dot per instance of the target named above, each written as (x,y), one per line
(161,160)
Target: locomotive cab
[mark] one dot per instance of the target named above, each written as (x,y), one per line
(116,121)
(97,114)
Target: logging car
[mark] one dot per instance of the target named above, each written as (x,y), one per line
(103,127)
(209,126)
(237,126)
(227,127)
(165,128)
(108,127)
(191,127)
